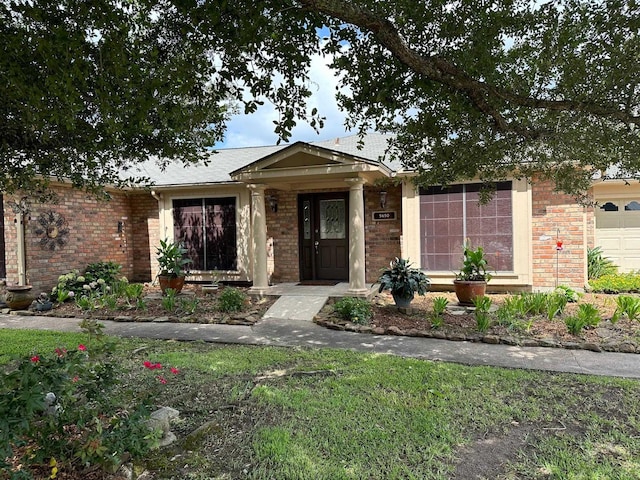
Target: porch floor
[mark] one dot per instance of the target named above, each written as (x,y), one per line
(297,290)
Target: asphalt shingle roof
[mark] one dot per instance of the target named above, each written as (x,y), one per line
(228,160)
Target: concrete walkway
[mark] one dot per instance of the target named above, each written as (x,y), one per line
(288,324)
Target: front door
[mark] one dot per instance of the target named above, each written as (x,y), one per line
(324,236)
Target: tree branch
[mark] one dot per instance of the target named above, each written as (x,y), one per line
(446,73)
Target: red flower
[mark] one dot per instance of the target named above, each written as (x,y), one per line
(174,370)
(61,352)
(162,380)
(75,379)
(148,364)
(35,359)
(82,348)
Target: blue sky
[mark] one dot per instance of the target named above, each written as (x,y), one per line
(257,129)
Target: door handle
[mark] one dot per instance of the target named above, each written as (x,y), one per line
(315,244)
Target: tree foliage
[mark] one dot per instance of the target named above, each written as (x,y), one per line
(471,88)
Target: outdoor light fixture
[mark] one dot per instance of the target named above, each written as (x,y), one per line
(273,203)
(383,199)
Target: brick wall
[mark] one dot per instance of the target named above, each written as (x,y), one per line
(282,226)
(145,225)
(558,215)
(382,238)
(93,236)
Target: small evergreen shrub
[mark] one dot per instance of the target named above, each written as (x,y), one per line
(231,300)
(356,310)
(616,283)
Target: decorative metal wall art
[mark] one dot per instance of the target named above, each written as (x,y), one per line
(52,227)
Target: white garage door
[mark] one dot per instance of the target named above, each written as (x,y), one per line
(618,232)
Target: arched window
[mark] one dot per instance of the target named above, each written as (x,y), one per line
(609,207)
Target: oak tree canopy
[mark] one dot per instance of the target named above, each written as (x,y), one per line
(486,88)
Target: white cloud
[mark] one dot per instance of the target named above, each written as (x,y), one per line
(257,129)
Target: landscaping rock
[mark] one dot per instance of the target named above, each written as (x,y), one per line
(547,342)
(491,339)
(456,337)
(393,330)
(627,347)
(161,420)
(591,346)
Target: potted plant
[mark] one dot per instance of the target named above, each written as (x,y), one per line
(472,280)
(172,260)
(403,281)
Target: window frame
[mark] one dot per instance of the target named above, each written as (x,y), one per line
(234,267)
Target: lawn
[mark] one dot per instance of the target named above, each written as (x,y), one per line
(282,413)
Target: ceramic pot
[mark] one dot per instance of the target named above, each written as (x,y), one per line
(19,297)
(402,302)
(43,307)
(467,290)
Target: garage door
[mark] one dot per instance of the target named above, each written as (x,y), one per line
(618,232)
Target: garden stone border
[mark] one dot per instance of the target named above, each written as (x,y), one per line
(239,318)
(343,325)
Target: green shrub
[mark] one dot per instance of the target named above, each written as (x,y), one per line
(616,283)
(439,307)
(169,300)
(535,303)
(626,305)
(598,265)
(356,310)
(61,405)
(587,316)
(568,292)
(107,271)
(231,300)
(556,304)
(482,304)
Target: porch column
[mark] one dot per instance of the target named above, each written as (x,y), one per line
(357,285)
(259,239)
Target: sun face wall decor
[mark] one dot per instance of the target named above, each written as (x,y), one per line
(52,227)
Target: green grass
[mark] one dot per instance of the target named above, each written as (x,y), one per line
(26,342)
(329,414)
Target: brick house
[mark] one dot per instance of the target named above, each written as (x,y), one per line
(316,212)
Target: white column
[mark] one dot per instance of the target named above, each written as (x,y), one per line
(357,270)
(259,239)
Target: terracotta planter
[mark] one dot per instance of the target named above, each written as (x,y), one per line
(467,290)
(167,281)
(19,297)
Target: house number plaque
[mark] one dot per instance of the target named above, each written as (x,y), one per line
(378,216)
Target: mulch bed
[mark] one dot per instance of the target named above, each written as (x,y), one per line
(460,325)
